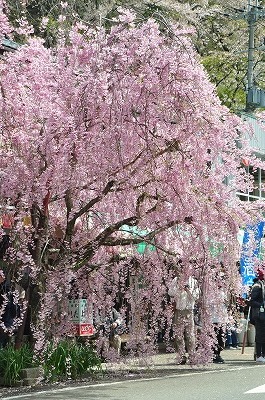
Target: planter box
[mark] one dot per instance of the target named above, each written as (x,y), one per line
(31,376)
(32,373)
(28,377)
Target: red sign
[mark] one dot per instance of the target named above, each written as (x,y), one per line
(7,221)
(84,329)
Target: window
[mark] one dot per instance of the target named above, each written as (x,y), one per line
(259,185)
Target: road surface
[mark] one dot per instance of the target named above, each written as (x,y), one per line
(245,382)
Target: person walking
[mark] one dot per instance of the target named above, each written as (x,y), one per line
(184,296)
(219,318)
(258,314)
(109,326)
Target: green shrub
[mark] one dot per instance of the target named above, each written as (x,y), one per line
(12,361)
(69,360)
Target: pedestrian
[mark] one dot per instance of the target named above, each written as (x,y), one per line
(8,310)
(258,315)
(231,331)
(183,296)
(219,317)
(109,326)
(216,304)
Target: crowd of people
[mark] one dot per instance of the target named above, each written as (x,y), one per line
(225,315)
(226,318)
(183,294)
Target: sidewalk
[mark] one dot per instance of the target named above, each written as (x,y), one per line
(166,363)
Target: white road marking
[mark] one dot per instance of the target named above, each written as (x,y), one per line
(258,389)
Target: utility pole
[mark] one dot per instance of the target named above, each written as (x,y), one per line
(252,19)
(255,97)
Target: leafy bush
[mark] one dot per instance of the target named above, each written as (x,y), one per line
(12,361)
(70,360)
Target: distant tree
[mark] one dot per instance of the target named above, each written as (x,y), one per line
(220,37)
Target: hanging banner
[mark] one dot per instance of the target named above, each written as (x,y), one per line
(250,252)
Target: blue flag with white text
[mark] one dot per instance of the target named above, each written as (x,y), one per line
(250,252)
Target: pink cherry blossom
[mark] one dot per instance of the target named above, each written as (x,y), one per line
(114,139)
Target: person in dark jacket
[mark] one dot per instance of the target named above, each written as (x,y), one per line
(4,320)
(110,324)
(257,305)
(9,310)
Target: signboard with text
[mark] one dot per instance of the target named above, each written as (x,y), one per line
(81,315)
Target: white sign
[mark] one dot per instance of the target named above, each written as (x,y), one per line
(81,315)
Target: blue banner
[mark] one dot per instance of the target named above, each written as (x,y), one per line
(250,252)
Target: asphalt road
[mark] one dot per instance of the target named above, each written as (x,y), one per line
(245,382)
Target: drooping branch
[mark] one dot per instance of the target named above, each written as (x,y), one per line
(91,248)
(85,209)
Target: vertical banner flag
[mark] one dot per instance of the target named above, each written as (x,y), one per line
(250,252)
